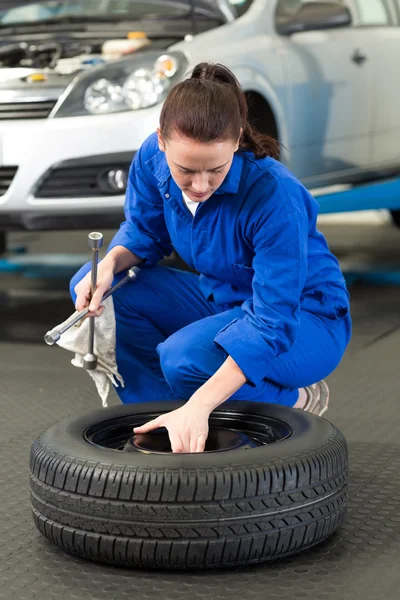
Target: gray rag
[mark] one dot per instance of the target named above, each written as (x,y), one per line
(76,339)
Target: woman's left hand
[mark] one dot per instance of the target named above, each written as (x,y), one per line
(187,427)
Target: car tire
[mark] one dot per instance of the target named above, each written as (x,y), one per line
(221,508)
(3,242)
(395,217)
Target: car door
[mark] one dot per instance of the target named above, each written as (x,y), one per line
(330,101)
(378,21)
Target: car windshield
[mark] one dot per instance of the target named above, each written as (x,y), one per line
(95,10)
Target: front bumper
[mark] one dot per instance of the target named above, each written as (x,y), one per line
(38,147)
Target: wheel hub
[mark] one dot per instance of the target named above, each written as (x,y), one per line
(219,440)
(228,430)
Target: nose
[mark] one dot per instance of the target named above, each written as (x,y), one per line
(200,183)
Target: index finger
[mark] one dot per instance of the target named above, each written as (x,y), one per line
(82,291)
(149,426)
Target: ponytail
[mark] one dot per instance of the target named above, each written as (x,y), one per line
(210,106)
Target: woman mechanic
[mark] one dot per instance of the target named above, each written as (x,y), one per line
(267,317)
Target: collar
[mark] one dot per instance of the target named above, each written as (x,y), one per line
(159,168)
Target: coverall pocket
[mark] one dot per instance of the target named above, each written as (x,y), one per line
(326,302)
(244,274)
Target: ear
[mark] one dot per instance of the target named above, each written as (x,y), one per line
(161,143)
(239,140)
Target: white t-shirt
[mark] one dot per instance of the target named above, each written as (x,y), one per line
(192,206)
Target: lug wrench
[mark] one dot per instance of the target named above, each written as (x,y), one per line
(95,241)
(55,334)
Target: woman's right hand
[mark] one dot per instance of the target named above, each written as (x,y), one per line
(105,277)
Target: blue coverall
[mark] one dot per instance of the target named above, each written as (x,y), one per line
(270,293)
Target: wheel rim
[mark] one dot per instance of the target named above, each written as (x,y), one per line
(228,431)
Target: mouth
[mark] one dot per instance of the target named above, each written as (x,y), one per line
(198,195)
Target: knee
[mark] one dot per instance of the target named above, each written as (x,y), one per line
(178,365)
(77,278)
(186,365)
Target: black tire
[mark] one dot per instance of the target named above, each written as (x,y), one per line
(213,509)
(3,242)
(395,217)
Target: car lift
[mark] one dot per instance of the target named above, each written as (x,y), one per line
(378,195)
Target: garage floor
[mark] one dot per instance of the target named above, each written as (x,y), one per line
(39,387)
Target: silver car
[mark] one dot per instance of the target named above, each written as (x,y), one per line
(323,77)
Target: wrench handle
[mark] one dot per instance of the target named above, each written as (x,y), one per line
(95,256)
(95,241)
(130,276)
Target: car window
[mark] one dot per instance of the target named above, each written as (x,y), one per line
(372,12)
(240,6)
(287,7)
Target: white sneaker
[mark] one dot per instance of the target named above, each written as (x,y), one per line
(317,398)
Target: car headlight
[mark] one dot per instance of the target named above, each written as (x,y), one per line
(144,88)
(131,83)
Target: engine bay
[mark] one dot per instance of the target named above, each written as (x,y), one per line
(62,56)
(47,54)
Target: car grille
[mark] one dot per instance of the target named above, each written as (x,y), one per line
(77,182)
(7,174)
(26,110)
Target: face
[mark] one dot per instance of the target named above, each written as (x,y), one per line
(198,168)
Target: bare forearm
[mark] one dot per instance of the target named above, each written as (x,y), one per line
(120,258)
(221,386)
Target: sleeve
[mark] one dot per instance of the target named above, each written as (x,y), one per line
(144,231)
(271,319)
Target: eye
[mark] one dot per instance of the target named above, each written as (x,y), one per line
(184,172)
(218,171)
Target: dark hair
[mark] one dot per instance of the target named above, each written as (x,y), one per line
(211,105)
